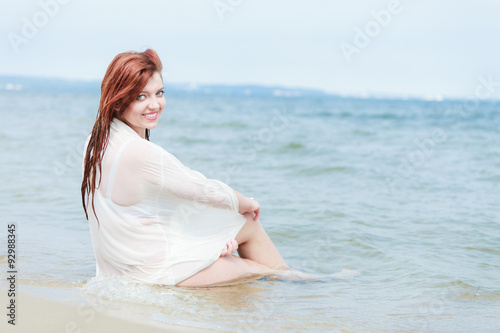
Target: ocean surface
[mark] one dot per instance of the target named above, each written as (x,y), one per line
(403,193)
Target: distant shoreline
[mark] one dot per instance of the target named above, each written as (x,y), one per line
(43,85)
(23,83)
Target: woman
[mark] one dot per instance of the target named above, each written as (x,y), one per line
(151,217)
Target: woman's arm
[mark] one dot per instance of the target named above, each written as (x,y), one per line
(191,185)
(246,204)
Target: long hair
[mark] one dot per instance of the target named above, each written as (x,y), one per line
(126,76)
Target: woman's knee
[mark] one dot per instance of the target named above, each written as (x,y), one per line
(249,215)
(250,229)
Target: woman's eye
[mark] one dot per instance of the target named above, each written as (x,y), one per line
(141,97)
(160,93)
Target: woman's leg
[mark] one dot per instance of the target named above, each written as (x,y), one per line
(225,270)
(258,256)
(255,244)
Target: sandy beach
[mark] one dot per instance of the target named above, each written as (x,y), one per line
(37,314)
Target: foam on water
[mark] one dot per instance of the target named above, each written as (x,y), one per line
(208,307)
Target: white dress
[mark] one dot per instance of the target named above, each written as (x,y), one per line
(159,221)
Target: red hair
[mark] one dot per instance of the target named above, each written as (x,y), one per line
(126,76)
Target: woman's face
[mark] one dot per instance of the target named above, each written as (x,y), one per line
(145,110)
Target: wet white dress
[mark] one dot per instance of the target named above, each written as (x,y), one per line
(159,221)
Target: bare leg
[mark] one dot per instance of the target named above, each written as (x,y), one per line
(255,244)
(258,256)
(225,270)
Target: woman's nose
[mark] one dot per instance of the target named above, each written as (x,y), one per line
(154,105)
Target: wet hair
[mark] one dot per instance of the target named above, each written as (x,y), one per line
(125,78)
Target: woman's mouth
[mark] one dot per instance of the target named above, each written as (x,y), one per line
(150,116)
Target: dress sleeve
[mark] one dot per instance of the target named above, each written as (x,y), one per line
(192,185)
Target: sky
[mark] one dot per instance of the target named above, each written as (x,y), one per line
(400,48)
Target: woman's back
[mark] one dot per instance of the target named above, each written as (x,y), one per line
(159,221)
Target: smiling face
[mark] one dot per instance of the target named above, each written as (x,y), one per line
(145,110)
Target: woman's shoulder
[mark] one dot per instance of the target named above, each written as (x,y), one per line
(141,148)
(139,152)
(147,146)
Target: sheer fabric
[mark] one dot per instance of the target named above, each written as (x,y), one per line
(159,221)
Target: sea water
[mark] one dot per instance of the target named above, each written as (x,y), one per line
(403,192)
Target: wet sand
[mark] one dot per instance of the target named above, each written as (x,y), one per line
(37,314)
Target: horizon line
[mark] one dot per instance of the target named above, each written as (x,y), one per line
(437,97)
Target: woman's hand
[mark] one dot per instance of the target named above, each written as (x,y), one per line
(231,247)
(247,205)
(255,207)
(251,206)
